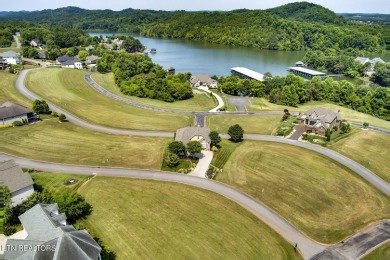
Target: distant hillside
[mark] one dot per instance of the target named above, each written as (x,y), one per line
(368,18)
(307,12)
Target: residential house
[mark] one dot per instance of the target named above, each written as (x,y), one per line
(35,43)
(70,62)
(91,59)
(19,183)
(203,80)
(188,134)
(41,55)
(48,236)
(11,57)
(319,120)
(10,112)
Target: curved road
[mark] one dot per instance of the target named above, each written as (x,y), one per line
(307,247)
(356,167)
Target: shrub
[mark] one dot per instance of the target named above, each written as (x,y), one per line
(172,160)
(62,118)
(55,114)
(236,133)
(40,107)
(17,123)
(9,230)
(366,124)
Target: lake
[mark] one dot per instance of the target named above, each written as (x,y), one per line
(212,59)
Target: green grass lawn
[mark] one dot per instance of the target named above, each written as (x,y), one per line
(68,89)
(200,102)
(260,104)
(253,124)
(224,152)
(54,182)
(143,219)
(381,253)
(8,91)
(58,142)
(325,200)
(369,148)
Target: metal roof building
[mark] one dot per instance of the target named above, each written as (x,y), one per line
(306,72)
(247,73)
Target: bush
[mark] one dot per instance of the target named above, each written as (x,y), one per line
(41,107)
(17,123)
(9,230)
(62,118)
(236,133)
(365,124)
(55,114)
(172,160)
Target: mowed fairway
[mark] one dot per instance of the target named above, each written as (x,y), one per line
(143,219)
(369,148)
(68,89)
(317,195)
(260,104)
(200,102)
(252,124)
(58,142)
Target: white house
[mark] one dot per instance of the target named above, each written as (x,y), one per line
(19,183)
(11,57)
(203,80)
(35,43)
(10,112)
(72,63)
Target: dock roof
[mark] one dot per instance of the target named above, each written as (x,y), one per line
(249,73)
(307,71)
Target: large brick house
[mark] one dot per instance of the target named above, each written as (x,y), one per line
(319,120)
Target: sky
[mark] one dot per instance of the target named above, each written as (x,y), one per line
(338,6)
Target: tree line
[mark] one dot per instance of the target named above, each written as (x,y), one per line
(293,90)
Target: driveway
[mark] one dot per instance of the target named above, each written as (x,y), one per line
(298,131)
(239,102)
(201,168)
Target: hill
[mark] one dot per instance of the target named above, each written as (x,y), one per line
(307,12)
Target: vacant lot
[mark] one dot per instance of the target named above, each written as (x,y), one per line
(259,104)
(320,197)
(253,124)
(369,148)
(8,91)
(58,142)
(68,89)
(200,102)
(141,219)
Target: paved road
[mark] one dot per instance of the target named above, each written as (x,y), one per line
(385,131)
(358,245)
(354,166)
(307,247)
(18,45)
(77,121)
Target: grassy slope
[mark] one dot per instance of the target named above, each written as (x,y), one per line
(8,91)
(381,253)
(254,124)
(315,194)
(68,89)
(53,141)
(260,104)
(199,102)
(369,148)
(54,182)
(223,154)
(141,219)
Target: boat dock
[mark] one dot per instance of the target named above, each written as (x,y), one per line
(247,73)
(307,73)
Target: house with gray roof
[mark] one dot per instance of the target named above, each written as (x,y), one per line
(203,80)
(50,237)
(10,112)
(319,120)
(200,134)
(18,182)
(11,57)
(70,62)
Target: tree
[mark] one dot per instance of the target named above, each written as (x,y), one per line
(215,138)
(62,118)
(236,133)
(366,124)
(82,55)
(74,206)
(177,148)
(41,107)
(172,160)
(194,147)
